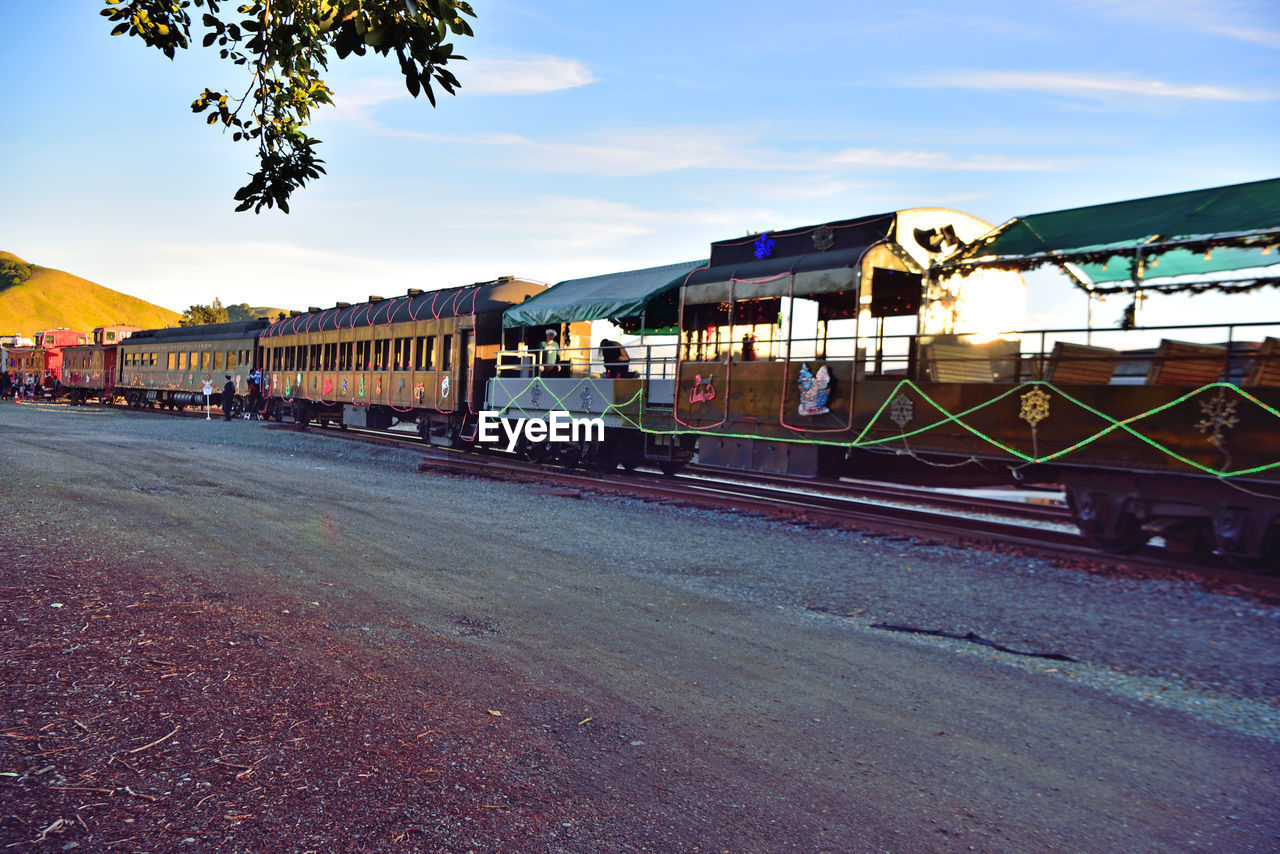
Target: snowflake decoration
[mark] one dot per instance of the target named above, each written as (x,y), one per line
(586,398)
(535,395)
(764,246)
(1035,407)
(901,411)
(823,239)
(1219,417)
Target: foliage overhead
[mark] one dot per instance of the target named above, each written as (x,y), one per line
(285,46)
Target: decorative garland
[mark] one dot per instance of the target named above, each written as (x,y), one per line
(1219,416)
(1136,254)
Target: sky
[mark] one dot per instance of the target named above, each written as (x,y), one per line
(593,136)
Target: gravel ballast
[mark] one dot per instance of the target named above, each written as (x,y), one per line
(737,654)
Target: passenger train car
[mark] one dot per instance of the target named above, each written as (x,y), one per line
(841,349)
(171,367)
(422,358)
(879,347)
(42,362)
(89,370)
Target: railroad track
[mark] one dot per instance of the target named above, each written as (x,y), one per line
(873,510)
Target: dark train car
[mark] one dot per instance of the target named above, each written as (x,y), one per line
(89,370)
(422,358)
(721,342)
(170,367)
(879,348)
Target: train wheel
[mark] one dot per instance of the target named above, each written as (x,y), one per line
(1091,510)
(1267,561)
(670,467)
(569,456)
(534,452)
(603,455)
(1128,537)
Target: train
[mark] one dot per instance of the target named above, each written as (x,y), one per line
(880,347)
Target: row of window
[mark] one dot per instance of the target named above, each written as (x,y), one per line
(387,354)
(216,360)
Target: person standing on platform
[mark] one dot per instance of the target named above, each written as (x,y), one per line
(550,355)
(228,397)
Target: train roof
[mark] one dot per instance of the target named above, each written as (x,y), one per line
(205,332)
(1207,231)
(829,257)
(611,295)
(478,298)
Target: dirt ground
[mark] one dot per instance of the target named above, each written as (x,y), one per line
(218,637)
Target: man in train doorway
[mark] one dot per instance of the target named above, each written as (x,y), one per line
(228,397)
(550,355)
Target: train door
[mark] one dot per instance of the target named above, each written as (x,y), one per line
(466,345)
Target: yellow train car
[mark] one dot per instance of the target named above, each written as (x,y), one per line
(170,367)
(421,358)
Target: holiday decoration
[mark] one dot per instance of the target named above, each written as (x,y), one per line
(815,389)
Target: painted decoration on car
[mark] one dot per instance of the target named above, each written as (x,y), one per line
(815,389)
(703,389)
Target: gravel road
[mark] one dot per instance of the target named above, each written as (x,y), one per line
(733,658)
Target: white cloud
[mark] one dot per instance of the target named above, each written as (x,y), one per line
(940,160)
(1086,85)
(1198,15)
(1257,35)
(530,76)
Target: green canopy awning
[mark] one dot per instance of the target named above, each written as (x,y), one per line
(613,295)
(1206,232)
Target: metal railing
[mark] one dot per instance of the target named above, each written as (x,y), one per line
(1177,354)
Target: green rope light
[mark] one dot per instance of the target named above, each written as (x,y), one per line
(958,418)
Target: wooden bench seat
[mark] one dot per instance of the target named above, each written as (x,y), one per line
(958,363)
(1079,363)
(1183,363)
(1265,370)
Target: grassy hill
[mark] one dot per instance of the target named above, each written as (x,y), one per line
(33,298)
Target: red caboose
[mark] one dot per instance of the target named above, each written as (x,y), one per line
(52,342)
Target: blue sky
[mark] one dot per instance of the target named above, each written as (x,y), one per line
(593,136)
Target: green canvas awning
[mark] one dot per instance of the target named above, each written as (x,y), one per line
(1200,232)
(1183,262)
(612,296)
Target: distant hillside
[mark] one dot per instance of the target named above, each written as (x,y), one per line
(33,298)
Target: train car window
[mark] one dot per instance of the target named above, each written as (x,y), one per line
(426,353)
(802,320)
(446,352)
(193,360)
(231,360)
(344,355)
(313,361)
(382,355)
(217,360)
(895,293)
